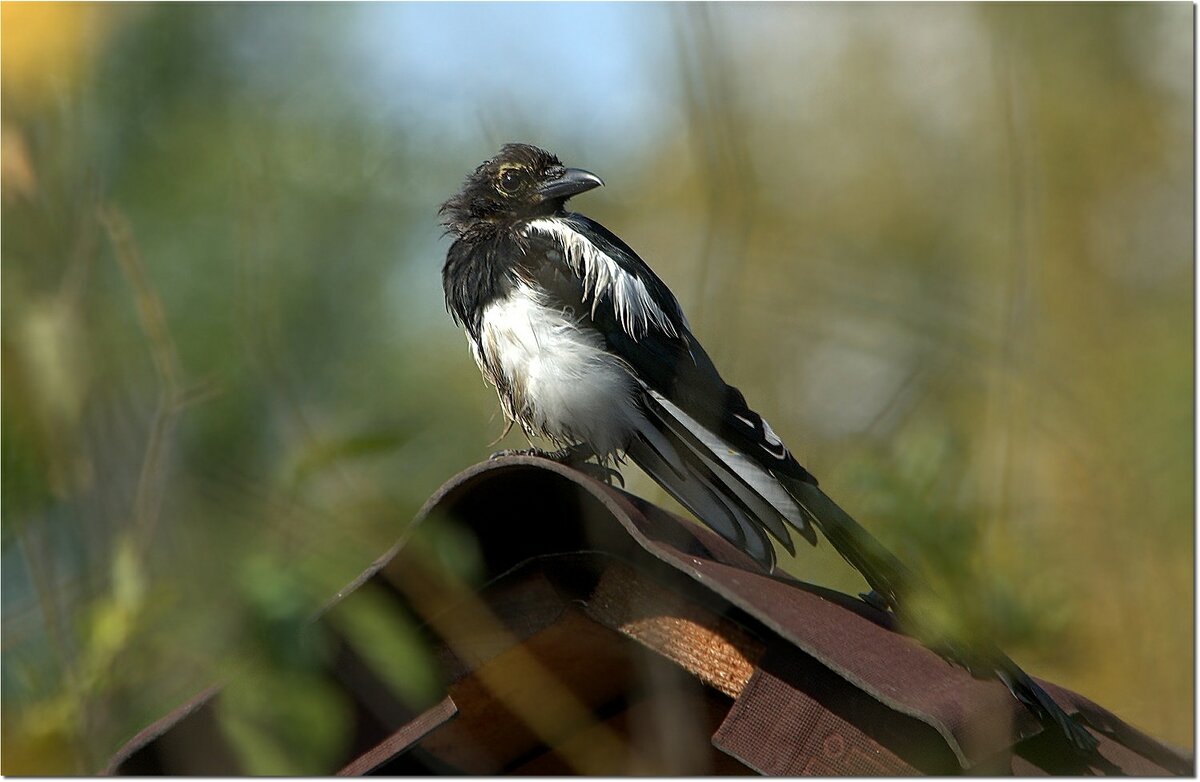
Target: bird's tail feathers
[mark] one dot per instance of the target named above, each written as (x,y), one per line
(891,580)
(886,574)
(754,486)
(1036,699)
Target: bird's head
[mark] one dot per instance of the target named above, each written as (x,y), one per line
(520,183)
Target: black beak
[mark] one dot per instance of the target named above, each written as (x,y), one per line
(572,181)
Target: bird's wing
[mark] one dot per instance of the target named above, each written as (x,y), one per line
(698,420)
(706,421)
(643,323)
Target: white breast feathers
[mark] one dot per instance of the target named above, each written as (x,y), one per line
(554,376)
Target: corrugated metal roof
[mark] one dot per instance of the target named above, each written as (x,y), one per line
(587,588)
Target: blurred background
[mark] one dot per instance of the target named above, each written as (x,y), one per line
(947,251)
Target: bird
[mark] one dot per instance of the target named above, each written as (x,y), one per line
(589,349)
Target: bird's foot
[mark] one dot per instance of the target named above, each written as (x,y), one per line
(520,452)
(576,457)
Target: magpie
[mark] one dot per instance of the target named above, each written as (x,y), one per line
(588,348)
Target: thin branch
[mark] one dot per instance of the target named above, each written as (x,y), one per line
(151,317)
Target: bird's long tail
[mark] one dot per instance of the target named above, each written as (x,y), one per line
(1038,701)
(886,574)
(892,580)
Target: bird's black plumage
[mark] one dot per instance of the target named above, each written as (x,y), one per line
(588,347)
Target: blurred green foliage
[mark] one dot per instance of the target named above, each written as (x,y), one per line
(946,250)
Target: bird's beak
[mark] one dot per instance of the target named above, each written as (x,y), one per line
(573,181)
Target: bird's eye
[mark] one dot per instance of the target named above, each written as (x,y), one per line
(510,180)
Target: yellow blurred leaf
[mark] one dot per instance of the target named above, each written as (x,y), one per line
(129,585)
(43,46)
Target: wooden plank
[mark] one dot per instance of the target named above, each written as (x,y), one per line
(718,651)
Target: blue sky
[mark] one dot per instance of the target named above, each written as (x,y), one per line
(476,68)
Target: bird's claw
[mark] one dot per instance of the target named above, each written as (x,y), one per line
(600,472)
(518,452)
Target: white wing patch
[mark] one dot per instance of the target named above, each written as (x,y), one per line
(635,308)
(777,448)
(773,444)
